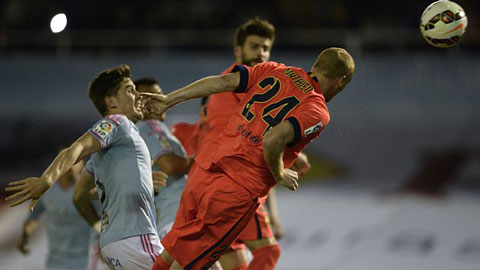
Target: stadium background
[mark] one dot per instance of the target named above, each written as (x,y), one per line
(409,121)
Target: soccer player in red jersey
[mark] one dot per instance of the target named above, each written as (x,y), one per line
(283,109)
(253,44)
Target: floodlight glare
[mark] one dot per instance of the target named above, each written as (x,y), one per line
(58,23)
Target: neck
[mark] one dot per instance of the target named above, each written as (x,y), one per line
(324,82)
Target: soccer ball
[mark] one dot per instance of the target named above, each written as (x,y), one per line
(443,23)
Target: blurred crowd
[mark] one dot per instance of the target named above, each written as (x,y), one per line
(167,14)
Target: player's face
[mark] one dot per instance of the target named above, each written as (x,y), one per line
(338,87)
(154,89)
(128,101)
(255,50)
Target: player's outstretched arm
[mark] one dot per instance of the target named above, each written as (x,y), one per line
(34,187)
(157,104)
(274,143)
(173,164)
(82,199)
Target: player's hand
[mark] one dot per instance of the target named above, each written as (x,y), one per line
(301,165)
(93,194)
(26,189)
(288,179)
(154,105)
(159,180)
(21,244)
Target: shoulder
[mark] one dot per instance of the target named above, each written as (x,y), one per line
(152,126)
(119,119)
(313,108)
(229,69)
(271,64)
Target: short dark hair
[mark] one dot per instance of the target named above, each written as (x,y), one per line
(107,83)
(255,26)
(145,81)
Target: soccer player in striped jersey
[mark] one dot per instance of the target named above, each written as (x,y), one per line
(120,163)
(168,156)
(283,109)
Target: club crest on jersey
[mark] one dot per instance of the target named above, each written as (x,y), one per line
(313,129)
(103,129)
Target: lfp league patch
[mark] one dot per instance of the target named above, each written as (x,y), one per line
(313,129)
(103,129)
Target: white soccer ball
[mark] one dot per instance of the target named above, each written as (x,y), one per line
(443,23)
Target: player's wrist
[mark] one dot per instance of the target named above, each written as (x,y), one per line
(278,176)
(97,226)
(47,179)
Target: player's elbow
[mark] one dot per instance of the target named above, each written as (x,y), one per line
(78,197)
(270,141)
(171,164)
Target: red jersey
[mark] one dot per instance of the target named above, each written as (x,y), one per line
(187,134)
(273,93)
(220,108)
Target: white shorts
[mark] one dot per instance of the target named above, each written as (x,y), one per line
(136,252)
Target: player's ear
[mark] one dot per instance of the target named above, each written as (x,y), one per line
(237,51)
(110,102)
(340,82)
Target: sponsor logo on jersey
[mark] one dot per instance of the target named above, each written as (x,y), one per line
(103,129)
(247,134)
(105,126)
(315,128)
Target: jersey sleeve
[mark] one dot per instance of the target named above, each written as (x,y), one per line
(244,78)
(250,75)
(308,120)
(105,131)
(89,168)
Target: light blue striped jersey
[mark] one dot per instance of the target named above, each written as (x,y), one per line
(67,231)
(123,177)
(161,141)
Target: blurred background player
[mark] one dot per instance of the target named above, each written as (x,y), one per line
(168,156)
(282,111)
(121,164)
(253,42)
(67,232)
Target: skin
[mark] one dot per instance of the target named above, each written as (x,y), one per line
(30,226)
(256,49)
(126,101)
